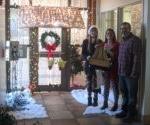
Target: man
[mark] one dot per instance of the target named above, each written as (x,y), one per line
(88,49)
(129,71)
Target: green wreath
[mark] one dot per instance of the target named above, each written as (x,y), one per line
(51,34)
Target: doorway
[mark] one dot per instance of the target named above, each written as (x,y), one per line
(54,78)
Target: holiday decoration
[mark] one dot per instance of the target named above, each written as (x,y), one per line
(92,12)
(50,63)
(76,63)
(22,106)
(50,45)
(61,64)
(39,16)
(17,99)
(6,118)
(34,58)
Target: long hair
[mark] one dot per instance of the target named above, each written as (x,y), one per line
(90,39)
(114,35)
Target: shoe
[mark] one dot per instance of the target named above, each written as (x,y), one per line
(129,119)
(121,114)
(104,106)
(99,90)
(89,101)
(95,103)
(114,108)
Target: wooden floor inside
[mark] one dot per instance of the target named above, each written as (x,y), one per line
(63,109)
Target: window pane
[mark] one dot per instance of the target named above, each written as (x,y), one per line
(17,32)
(19,70)
(108,20)
(133,15)
(46,76)
(53,3)
(79,3)
(19,2)
(78,35)
(136,19)
(127,14)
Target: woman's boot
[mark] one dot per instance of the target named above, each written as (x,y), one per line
(114,108)
(105,105)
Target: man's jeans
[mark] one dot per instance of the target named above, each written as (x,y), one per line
(129,89)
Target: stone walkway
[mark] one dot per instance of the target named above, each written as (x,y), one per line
(63,109)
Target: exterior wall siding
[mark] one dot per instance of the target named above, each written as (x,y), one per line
(2,59)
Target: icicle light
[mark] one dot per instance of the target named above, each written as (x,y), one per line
(38,16)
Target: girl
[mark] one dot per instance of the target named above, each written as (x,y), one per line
(88,49)
(110,77)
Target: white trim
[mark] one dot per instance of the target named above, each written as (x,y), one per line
(146,104)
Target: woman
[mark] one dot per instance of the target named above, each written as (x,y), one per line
(110,77)
(88,49)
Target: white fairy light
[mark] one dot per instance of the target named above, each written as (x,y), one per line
(51,16)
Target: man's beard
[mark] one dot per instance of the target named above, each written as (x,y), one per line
(125,34)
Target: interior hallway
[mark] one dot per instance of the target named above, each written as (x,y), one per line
(63,109)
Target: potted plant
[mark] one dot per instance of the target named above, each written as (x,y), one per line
(6,118)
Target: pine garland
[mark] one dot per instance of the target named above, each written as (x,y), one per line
(5,118)
(51,34)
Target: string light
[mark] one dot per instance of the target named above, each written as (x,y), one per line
(91,12)
(39,16)
(34,60)
(1,2)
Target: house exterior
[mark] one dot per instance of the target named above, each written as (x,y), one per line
(109,13)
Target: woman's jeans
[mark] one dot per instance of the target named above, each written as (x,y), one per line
(92,85)
(107,83)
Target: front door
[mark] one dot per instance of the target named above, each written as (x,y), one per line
(54,78)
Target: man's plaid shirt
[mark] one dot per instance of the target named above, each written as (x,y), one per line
(129,56)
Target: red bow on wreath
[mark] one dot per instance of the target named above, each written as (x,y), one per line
(50,49)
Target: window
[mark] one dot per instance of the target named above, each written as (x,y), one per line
(108,20)
(133,15)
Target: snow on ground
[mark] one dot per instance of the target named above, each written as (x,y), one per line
(81,96)
(31,111)
(25,107)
